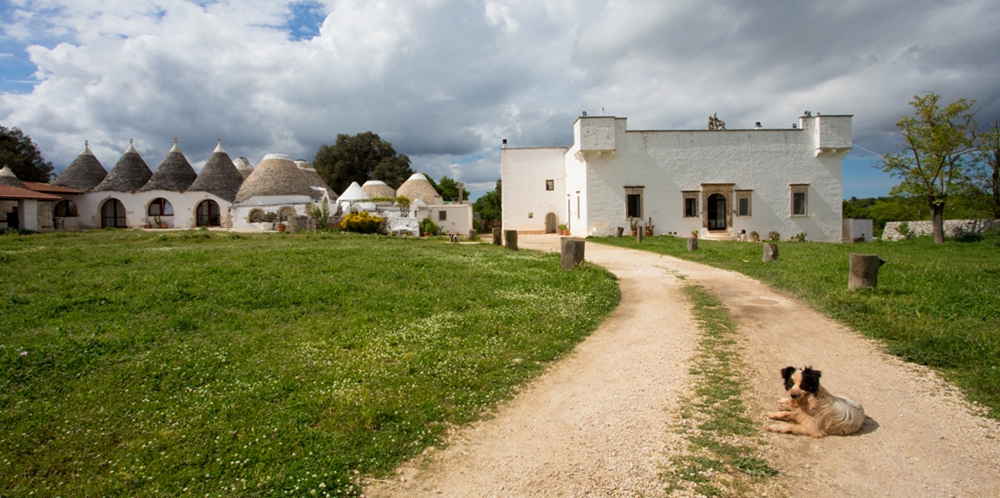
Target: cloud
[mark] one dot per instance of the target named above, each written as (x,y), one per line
(446,80)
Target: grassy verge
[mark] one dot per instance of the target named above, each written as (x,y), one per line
(723,454)
(937,305)
(205,363)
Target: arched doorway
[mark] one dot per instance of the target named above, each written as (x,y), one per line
(716,212)
(113,214)
(550,223)
(208,214)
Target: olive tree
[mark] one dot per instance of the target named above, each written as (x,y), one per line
(937,143)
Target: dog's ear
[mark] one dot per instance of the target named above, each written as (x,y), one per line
(810,380)
(786,374)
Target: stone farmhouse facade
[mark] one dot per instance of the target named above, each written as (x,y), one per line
(718,183)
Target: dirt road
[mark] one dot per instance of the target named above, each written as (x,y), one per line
(598,422)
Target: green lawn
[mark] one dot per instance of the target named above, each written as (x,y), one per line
(208,363)
(937,305)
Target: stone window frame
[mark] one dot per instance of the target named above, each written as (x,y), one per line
(442,215)
(740,195)
(689,195)
(634,190)
(550,185)
(798,189)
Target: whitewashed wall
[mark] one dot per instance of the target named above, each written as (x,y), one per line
(857,228)
(607,157)
(524,198)
(136,205)
(459,216)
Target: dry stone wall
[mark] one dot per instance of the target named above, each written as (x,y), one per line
(953,229)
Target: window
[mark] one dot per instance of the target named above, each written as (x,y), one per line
(208,214)
(442,215)
(743,204)
(113,214)
(800,200)
(633,202)
(550,184)
(160,207)
(690,204)
(66,209)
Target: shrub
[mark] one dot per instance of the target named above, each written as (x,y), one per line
(773,236)
(428,226)
(320,214)
(477,225)
(799,237)
(904,229)
(363,223)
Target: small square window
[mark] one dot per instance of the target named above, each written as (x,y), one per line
(442,215)
(690,207)
(550,184)
(743,204)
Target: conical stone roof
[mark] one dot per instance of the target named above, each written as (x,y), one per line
(314,180)
(8,178)
(275,175)
(84,173)
(129,175)
(219,176)
(354,193)
(175,173)
(378,188)
(417,187)
(244,166)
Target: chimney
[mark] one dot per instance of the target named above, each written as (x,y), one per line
(504,146)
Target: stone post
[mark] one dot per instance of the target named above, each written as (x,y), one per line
(619,231)
(864,270)
(770,252)
(510,239)
(638,235)
(572,252)
(692,244)
(497,241)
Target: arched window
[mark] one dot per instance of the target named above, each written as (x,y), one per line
(160,207)
(285,213)
(113,214)
(256,216)
(65,209)
(208,214)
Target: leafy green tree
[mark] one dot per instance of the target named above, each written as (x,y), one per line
(936,143)
(19,151)
(987,176)
(489,205)
(448,189)
(360,158)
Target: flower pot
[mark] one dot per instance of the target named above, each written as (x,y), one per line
(163,225)
(281,228)
(427,234)
(149,225)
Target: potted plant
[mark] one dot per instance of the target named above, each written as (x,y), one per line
(563,229)
(148,224)
(158,222)
(649,227)
(694,234)
(634,225)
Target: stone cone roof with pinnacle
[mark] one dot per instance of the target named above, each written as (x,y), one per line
(84,173)
(276,174)
(219,176)
(175,173)
(129,175)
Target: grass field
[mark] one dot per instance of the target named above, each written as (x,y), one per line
(937,305)
(208,363)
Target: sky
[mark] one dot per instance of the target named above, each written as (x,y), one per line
(446,80)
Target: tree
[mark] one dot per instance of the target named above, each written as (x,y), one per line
(360,158)
(448,189)
(987,177)
(19,151)
(933,161)
(489,206)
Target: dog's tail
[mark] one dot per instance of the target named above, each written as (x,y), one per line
(846,416)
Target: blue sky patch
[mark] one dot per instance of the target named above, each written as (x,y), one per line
(307,17)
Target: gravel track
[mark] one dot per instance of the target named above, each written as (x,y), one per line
(598,422)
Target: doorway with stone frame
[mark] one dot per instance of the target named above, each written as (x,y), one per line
(717,213)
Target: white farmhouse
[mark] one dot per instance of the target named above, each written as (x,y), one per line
(718,183)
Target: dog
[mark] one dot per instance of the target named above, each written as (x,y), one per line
(812,410)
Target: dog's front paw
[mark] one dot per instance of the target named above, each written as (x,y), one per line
(785,404)
(775,415)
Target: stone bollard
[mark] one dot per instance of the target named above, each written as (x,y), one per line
(572,252)
(496,237)
(864,270)
(510,239)
(472,235)
(619,231)
(297,223)
(692,244)
(770,252)
(638,235)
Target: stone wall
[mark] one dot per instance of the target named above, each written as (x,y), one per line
(953,229)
